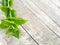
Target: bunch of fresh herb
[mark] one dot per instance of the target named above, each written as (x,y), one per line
(12,21)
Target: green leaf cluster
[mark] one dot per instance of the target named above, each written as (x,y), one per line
(7,2)
(11,21)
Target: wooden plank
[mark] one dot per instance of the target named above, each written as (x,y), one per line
(42,16)
(56,3)
(35,25)
(50,9)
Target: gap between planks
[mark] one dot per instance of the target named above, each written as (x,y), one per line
(30,35)
(57,33)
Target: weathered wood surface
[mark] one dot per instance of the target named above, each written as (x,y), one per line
(43,26)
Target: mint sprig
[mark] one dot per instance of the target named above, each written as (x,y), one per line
(11,21)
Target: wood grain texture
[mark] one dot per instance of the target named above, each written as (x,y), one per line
(40,26)
(56,3)
(46,15)
(43,26)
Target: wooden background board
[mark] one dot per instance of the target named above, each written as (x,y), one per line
(43,26)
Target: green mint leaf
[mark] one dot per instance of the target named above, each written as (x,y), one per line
(10,2)
(18,21)
(13,29)
(4,2)
(8,22)
(6,10)
(13,13)
(9,30)
(3,24)
(16,33)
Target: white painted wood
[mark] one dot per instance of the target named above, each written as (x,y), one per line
(43,22)
(39,25)
(42,16)
(50,9)
(56,3)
